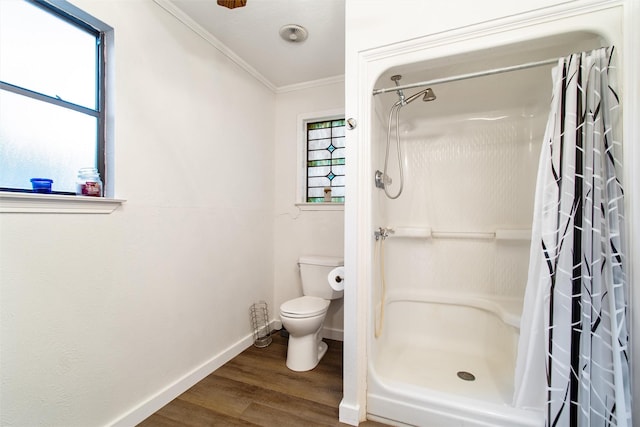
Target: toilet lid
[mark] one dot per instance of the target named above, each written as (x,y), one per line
(304,307)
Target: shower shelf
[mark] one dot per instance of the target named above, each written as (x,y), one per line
(426,233)
(463,235)
(509,309)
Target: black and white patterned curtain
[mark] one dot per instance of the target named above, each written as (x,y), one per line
(573,355)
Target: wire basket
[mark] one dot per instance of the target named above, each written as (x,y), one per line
(260,324)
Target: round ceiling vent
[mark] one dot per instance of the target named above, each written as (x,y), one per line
(294,33)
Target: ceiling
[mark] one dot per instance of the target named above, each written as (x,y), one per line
(252,34)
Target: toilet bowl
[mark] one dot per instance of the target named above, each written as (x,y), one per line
(303,317)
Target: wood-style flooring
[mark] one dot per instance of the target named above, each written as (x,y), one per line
(257,389)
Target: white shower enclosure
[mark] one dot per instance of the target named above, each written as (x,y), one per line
(432,322)
(456,253)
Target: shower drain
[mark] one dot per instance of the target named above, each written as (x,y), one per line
(467,376)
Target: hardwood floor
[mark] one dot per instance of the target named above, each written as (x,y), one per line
(257,389)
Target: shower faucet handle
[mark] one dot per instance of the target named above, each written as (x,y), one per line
(382,180)
(383,233)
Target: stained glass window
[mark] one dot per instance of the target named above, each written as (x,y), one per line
(325,161)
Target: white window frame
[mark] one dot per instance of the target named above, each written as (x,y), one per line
(13,202)
(301,193)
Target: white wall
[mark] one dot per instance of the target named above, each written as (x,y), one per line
(302,232)
(468,176)
(101,312)
(372,23)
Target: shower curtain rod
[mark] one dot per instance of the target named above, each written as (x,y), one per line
(468,76)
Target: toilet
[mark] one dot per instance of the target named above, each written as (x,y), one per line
(303,317)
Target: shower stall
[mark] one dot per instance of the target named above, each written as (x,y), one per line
(451,253)
(449,210)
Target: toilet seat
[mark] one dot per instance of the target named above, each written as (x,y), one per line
(303,307)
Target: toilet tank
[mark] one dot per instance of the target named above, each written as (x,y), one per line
(314,272)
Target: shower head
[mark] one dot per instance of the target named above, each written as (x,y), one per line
(428,96)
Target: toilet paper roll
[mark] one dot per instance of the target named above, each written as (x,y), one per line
(336,279)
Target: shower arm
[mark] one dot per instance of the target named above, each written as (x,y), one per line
(404,101)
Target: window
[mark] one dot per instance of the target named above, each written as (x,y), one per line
(325,161)
(52,93)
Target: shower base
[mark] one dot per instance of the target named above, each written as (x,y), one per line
(437,369)
(428,342)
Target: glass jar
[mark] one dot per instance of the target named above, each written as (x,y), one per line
(89,183)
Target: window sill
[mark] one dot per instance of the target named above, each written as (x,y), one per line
(54,203)
(320,206)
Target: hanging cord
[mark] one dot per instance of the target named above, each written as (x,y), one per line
(396,107)
(379,253)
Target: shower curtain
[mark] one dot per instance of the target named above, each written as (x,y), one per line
(573,354)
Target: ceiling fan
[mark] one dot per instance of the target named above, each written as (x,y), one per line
(232,4)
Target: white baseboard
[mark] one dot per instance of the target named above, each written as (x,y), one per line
(328,333)
(166,395)
(333,334)
(349,414)
(147,408)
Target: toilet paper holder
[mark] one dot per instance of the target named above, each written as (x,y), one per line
(336,279)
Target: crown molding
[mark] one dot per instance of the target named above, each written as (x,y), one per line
(213,41)
(311,84)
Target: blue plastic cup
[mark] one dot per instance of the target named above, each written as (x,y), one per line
(41,185)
